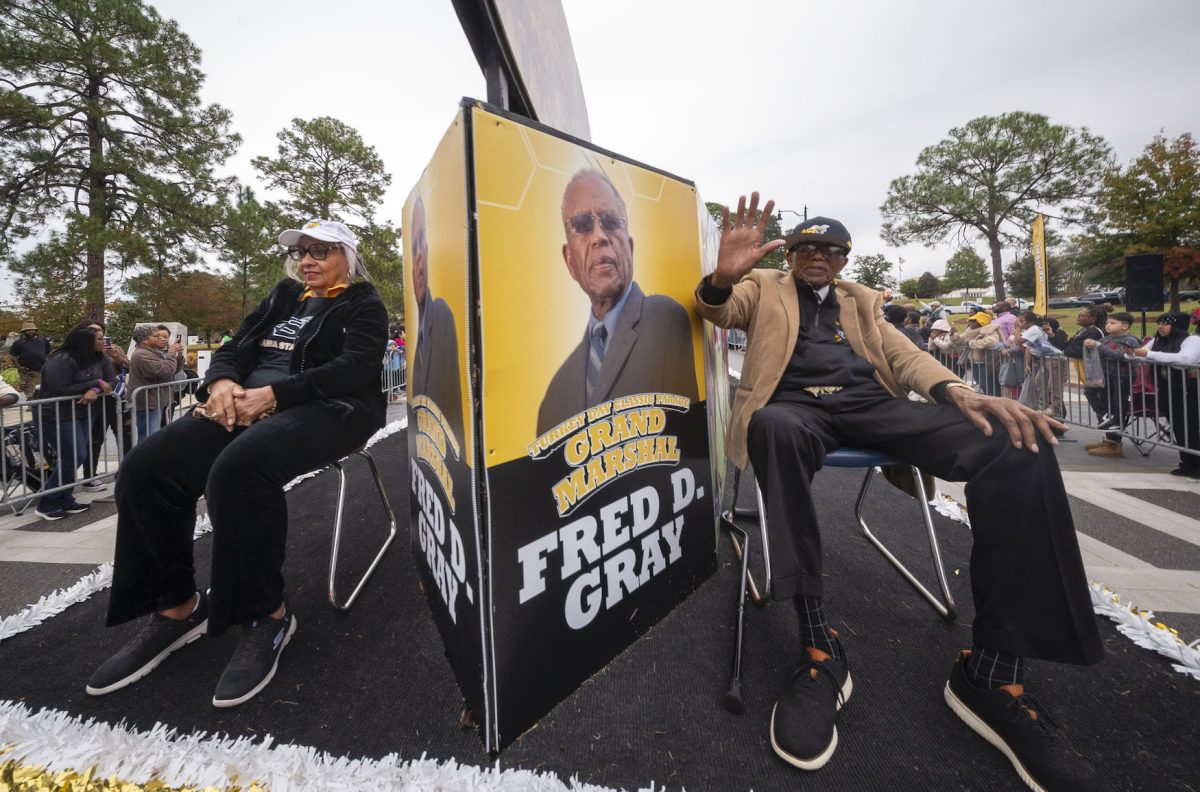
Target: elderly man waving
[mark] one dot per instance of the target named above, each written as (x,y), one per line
(822,369)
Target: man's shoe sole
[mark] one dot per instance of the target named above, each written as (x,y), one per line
(818,761)
(968,716)
(80,509)
(49,517)
(225,703)
(183,640)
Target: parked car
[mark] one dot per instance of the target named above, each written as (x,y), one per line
(967,307)
(1068,302)
(1096,297)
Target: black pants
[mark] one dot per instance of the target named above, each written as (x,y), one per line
(105,417)
(241,474)
(1027,578)
(1185,415)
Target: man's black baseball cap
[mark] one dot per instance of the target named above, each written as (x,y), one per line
(819,229)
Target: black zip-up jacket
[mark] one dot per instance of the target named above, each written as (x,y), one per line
(337,358)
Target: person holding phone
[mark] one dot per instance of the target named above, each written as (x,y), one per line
(152,363)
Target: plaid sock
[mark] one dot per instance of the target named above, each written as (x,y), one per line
(988,668)
(814,629)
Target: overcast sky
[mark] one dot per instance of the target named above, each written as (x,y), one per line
(817,104)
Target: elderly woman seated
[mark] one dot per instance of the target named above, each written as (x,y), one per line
(297,387)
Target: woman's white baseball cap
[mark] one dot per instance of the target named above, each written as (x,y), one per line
(324,230)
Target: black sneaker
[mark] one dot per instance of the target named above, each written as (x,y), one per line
(92,486)
(49,513)
(1040,755)
(1191,471)
(75,507)
(803,733)
(254,661)
(159,637)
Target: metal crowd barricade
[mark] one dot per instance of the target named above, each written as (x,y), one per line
(34,444)
(393,378)
(1152,404)
(154,406)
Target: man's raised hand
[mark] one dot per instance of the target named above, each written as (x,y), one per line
(741,245)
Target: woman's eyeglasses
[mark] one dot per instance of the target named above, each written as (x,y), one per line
(584,223)
(318,251)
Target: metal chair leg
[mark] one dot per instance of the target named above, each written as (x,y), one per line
(947,610)
(337,531)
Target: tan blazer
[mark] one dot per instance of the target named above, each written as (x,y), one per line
(764,304)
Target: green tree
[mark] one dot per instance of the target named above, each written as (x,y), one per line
(49,282)
(102,130)
(928,286)
(1021,281)
(325,169)
(774,259)
(990,178)
(207,303)
(123,316)
(873,271)
(966,269)
(909,286)
(251,231)
(1153,206)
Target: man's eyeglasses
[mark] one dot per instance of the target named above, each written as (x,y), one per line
(585,222)
(318,251)
(808,250)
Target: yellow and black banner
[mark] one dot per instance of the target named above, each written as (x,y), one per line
(1040,274)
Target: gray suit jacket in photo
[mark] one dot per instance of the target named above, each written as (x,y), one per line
(650,351)
(435,371)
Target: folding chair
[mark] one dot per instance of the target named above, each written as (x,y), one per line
(337,529)
(845,457)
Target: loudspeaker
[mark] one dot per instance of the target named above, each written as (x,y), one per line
(1144,282)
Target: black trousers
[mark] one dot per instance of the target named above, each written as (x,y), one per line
(1027,577)
(241,474)
(1185,415)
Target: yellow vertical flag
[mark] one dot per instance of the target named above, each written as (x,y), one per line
(1039,266)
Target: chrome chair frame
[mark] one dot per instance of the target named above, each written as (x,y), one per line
(337,530)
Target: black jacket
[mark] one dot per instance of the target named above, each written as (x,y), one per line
(62,376)
(337,358)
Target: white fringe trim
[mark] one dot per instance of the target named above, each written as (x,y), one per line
(1136,625)
(1139,626)
(61,599)
(948,507)
(55,603)
(61,743)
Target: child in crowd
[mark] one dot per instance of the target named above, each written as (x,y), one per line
(1044,374)
(1116,344)
(1091,320)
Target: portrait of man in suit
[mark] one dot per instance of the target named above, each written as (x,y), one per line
(435,365)
(632,342)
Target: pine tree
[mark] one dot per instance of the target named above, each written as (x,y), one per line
(102,133)
(325,169)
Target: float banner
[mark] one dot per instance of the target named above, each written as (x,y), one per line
(594,431)
(443,517)
(1041,294)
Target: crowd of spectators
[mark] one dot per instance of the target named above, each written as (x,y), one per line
(1011,352)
